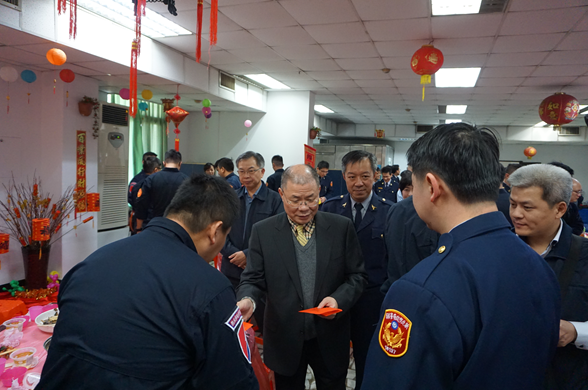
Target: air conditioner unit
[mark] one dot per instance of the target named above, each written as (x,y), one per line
(113,166)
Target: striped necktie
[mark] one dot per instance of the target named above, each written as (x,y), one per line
(300,235)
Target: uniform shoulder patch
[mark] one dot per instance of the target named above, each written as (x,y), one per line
(234,319)
(394,333)
(140,193)
(236,324)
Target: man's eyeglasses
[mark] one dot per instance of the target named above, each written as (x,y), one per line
(247,172)
(307,203)
(579,192)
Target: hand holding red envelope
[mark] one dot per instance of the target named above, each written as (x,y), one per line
(324,311)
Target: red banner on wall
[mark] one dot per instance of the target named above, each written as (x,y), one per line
(80,197)
(310,156)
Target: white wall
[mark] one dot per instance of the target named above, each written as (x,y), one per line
(400,149)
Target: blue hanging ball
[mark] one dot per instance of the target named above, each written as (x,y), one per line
(143,106)
(28,75)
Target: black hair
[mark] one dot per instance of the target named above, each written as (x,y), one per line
(150,164)
(173,156)
(249,154)
(388,169)
(406,180)
(207,166)
(322,165)
(148,154)
(395,168)
(510,168)
(466,158)
(202,200)
(356,156)
(278,160)
(225,163)
(563,166)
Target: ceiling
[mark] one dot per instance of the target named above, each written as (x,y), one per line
(338,48)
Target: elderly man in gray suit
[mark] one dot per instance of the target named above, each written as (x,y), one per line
(303,259)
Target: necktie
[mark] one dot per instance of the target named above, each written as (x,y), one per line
(358,207)
(300,235)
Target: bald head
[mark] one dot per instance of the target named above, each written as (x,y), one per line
(300,174)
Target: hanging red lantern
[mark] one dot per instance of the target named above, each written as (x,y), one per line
(530,152)
(4,243)
(67,75)
(425,62)
(177,115)
(379,133)
(93,199)
(559,109)
(41,229)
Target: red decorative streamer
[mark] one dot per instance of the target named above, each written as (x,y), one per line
(61,6)
(133,81)
(213,22)
(73,18)
(139,13)
(199,34)
(80,196)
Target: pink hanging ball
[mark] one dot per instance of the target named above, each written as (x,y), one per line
(247,123)
(125,93)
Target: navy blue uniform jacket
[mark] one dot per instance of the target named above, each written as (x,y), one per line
(233,181)
(485,315)
(266,204)
(388,193)
(139,177)
(146,312)
(326,186)
(370,234)
(157,192)
(274,181)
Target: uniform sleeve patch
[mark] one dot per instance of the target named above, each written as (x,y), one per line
(234,319)
(394,333)
(236,323)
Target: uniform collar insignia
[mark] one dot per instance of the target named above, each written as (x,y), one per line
(344,204)
(373,207)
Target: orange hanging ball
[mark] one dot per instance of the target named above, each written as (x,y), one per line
(56,57)
(530,152)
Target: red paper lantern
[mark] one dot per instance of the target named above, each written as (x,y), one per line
(177,115)
(93,199)
(67,75)
(41,229)
(56,57)
(425,62)
(559,109)
(4,240)
(530,152)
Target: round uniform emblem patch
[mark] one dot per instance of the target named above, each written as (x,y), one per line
(394,333)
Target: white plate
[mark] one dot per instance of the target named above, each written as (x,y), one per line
(44,316)
(31,380)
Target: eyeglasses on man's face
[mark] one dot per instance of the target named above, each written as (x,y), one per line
(579,192)
(248,172)
(299,203)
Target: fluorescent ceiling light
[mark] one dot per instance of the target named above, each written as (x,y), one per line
(448,121)
(456,77)
(153,25)
(323,109)
(456,109)
(540,124)
(455,7)
(267,81)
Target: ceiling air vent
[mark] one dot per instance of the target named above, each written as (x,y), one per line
(227,81)
(115,115)
(490,6)
(572,130)
(423,128)
(14,4)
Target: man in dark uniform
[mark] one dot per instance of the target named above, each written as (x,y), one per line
(149,312)
(225,168)
(572,216)
(158,190)
(275,180)
(368,211)
(510,169)
(150,166)
(387,187)
(483,310)
(326,183)
(139,177)
(539,198)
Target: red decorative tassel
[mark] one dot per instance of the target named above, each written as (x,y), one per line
(177,144)
(73,18)
(139,13)
(61,6)
(199,37)
(213,21)
(133,81)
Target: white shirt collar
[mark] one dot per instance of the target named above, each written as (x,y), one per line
(554,241)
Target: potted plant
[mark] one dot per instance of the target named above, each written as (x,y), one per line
(87,104)
(314,131)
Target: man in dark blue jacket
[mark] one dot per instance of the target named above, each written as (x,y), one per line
(225,168)
(483,310)
(139,177)
(274,181)
(149,312)
(322,169)
(368,211)
(387,187)
(539,198)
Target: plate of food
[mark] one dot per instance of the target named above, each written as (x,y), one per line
(46,321)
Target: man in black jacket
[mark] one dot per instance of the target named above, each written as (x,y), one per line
(539,198)
(275,180)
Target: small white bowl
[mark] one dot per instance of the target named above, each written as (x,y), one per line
(43,316)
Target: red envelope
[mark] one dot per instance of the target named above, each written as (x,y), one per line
(325,311)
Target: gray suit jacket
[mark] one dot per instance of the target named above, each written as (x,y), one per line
(272,269)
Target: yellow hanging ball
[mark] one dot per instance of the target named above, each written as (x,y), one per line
(147,94)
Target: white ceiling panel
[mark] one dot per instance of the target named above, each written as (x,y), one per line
(10,36)
(316,65)
(342,92)
(548,81)
(509,71)
(282,36)
(526,43)
(581,81)
(338,33)
(465,61)
(107,67)
(338,83)
(374,83)
(351,50)
(73,55)
(464,46)
(224,57)
(237,40)
(322,12)
(336,75)
(399,30)
(241,68)
(187,19)
(516,59)
(380,91)
(396,62)
(404,74)
(568,57)
(367,74)
(399,48)
(259,15)
(360,63)
(561,70)
(575,41)
(23,57)
(183,43)
(466,26)
(275,66)
(494,90)
(499,82)
(256,54)
(389,9)
(301,52)
(540,22)
(304,84)
(299,75)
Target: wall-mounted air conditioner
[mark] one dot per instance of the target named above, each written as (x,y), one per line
(113,166)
